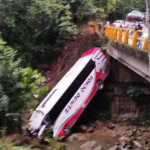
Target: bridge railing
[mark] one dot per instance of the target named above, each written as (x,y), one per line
(128,36)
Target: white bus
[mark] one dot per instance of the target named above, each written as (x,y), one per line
(66,101)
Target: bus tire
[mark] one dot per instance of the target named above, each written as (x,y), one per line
(100,85)
(67,131)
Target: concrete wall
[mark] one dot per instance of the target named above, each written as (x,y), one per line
(122,105)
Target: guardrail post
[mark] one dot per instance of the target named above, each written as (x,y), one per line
(107,30)
(134,39)
(111,33)
(145,44)
(115,34)
(126,37)
(120,36)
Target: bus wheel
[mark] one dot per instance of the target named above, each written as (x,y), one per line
(100,85)
(67,131)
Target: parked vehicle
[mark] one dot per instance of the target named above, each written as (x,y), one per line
(66,101)
(117,23)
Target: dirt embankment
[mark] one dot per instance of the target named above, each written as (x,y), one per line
(71,51)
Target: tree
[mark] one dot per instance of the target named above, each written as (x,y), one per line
(92,9)
(126,7)
(17,87)
(33,27)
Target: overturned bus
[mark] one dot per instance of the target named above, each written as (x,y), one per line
(67,100)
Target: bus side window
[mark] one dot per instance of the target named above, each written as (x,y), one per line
(66,97)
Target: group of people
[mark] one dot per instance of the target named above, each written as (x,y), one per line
(137,26)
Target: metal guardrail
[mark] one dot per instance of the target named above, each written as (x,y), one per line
(128,36)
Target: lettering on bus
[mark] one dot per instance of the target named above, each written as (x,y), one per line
(76,97)
(86,83)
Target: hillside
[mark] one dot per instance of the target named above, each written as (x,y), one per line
(71,51)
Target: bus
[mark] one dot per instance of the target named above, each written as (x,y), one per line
(67,100)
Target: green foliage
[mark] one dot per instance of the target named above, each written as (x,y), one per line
(92,9)
(10,146)
(33,27)
(2,132)
(143,119)
(56,145)
(48,133)
(17,87)
(103,116)
(126,7)
(134,91)
(54,20)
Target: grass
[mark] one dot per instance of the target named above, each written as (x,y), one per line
(11,146)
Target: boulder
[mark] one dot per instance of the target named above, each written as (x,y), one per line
(99,123)
(83,128)
(89,129)
(128,147)
(129,133)
(126,140)
(114,148)
(78,137)
(90,145)
(111,126)
(92,125)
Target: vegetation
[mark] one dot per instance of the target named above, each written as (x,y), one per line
(126,7)
(142,120)
(32,31)
(11,146)
(18,86)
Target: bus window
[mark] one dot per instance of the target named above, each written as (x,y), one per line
(56,110)
(49,97)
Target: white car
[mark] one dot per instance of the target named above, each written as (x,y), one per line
(117,23)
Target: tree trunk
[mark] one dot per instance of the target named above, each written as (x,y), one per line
(148,25)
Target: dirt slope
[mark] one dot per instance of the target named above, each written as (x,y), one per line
(70,53)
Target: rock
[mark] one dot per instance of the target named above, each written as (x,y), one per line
(89,129)
(114,148)
(98,148)
(134,130)
(128,147)
(127,140)
(142,130)
(139,138)
(129,133)
(92,125)
(138,144)
(138,133)
(128,128)
(78,137)
(123,144)
(133,138)
(90,145)
(99,123)
(83,128)
(111,126)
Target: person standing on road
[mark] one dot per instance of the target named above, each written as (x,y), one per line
(140,35)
